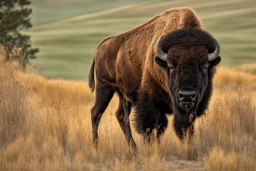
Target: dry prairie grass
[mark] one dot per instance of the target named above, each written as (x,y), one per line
(250,68)
(45,125)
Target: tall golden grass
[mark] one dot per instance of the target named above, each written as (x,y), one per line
(45,125)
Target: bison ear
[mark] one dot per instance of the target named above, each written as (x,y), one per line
(161,63)
(215,61)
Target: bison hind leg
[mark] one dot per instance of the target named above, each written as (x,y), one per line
(122,115)
(104,94)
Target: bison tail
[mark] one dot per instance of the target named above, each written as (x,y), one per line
(91,76)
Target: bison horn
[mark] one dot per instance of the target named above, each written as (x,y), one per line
(214,55)
(159,50)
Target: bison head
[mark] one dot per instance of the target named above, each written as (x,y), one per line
(189,57)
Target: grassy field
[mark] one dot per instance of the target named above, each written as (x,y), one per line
(45,125)
(67,39)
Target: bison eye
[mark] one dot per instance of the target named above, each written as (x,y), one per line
(205,67)
(171,67)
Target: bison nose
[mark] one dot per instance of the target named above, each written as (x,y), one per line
(187,95)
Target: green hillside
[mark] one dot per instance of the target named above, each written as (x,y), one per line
(67,46)
(50,11)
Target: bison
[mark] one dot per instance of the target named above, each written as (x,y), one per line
(164,66)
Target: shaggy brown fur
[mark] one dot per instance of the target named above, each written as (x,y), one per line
(125,64)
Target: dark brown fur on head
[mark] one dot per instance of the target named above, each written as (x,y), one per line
(188,37)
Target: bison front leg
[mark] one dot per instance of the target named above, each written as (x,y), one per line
(161,127)
(184,127)
(146,119)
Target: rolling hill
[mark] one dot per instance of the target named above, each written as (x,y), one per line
(57,10)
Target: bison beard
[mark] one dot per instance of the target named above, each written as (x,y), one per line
(164,66)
